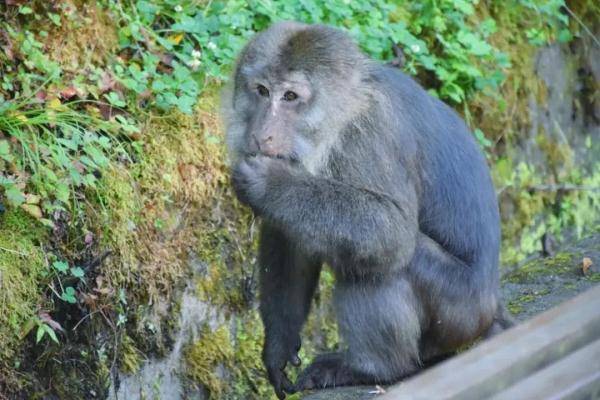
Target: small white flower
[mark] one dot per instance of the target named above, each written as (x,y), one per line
(196,53)
(178,8)
(194,64)
(415,48)
(211,45)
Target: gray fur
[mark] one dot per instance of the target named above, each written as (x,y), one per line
(370,174)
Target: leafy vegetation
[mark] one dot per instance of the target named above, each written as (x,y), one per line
(112,167)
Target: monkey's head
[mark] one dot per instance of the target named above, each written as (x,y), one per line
(295,86)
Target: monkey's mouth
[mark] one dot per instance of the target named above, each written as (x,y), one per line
(291,158)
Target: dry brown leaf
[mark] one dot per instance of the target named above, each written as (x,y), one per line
(69,92)
(32,210)
(586,263)
(32,199)
(47,319)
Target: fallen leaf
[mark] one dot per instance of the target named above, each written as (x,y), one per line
(54,104)
(378,390)
(68,93)
(41,96)
(46,318)
(21,118)
(32,210)
(90,300)
(167,59)
(176,39)
(586,263)
(32,199)
(107,82)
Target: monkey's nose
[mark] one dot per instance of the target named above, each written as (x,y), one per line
(267,140)
(267,147)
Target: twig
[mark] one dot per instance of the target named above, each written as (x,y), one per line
(14,251)
(584,26)
(84,318)
(567,187)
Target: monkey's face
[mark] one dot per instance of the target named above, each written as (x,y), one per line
(277,116)
(292,94)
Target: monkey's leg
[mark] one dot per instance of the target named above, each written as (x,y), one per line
(380,323)
(460,300)
(287,284)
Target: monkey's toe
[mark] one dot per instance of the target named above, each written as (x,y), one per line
(328,370)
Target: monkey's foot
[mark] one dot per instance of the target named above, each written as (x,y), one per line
(328,370)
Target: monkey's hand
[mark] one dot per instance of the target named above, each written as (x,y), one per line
(252,177)
(276,354)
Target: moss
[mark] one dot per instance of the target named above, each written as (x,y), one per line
(250,380)
(131,358)
(514,308)
(560,264)
(517,305)
(594,277)
(74,44)
(226,251)
(230,365)
(149,212)
(22,270)
(214,349)
(22,267)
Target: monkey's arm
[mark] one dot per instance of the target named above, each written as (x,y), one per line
(287,285)
(345,225)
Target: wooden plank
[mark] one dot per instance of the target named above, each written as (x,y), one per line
(498,363)
(577,376)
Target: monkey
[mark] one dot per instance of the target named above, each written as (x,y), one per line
(351,163)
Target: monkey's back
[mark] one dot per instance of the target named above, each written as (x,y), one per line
(457,202)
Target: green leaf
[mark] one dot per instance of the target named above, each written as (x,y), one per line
(14,196)
(62,192)
(114,99)
(464,6)
(60,266)
(69,295)
(565,36)
(25,10)
(55,18)
(77,272)
(483,141)
(5,152)
(40,333)
(99,158)
(50,332)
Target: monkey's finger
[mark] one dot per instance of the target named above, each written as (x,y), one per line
(280,394)
(288,386)
(275,379)
(278,380)
(295,360)
(304,382)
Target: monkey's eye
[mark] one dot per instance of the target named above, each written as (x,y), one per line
(290,96)
(263,91)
